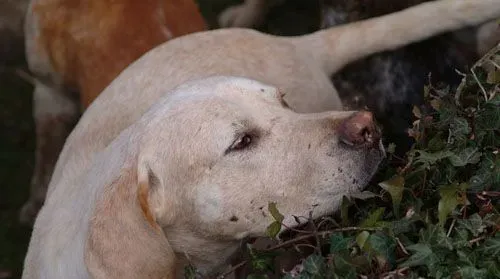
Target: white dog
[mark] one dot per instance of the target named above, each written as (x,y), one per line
(140,188)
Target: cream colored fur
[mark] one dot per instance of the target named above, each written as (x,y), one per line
(93,225)
(202,197)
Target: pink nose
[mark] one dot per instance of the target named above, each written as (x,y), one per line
(359,130)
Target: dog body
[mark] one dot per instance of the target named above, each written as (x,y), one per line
(146,189)
(148,198)
(78,47)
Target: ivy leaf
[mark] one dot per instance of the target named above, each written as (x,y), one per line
(447,203)
(261,260)
(436,236)
(391,148)
(431,158)
(315,265)
(338,243)
(473,224)
(383,246)
(189,272)
(459,126)
(436,143)
(275,212)
(466,156)
(344,269)
(273,229)
(395,187)
(422,255)
(492,265)
(361,239)
(491,246)
(471,272)
(373,218)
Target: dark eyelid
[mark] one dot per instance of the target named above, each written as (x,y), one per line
(254,133)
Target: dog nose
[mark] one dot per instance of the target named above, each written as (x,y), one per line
(359,130)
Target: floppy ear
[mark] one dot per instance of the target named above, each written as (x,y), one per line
(124,239)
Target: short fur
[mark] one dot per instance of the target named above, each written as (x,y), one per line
(92,221)
(75,48)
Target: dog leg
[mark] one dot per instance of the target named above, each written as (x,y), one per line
(55,115)
(338,46)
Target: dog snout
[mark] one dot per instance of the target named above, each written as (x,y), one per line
(360,130)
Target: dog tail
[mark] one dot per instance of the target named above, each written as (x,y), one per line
(337,46)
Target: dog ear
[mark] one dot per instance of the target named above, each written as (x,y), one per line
(124,239)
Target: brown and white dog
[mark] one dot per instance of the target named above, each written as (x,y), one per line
(169,165)
(75,48)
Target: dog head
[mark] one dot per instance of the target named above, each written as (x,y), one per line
(214,153)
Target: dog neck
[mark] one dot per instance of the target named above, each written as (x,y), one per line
(208,257)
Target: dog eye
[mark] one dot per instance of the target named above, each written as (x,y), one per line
(241,143)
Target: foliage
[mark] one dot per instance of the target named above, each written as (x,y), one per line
(436,215)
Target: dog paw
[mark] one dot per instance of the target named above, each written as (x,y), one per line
(243,16)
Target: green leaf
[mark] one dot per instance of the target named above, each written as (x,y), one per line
(447,203)
(383,246)
(422,255)
(315,265)
(273,229)
(436,143)
(189,272)
(373,219)
(473,224)
(491,246)
(361,239)
(338,243)
(391,148)
(461,239)
(471,272)
(262,260)
(459,126)
(275,212)
(435,236)
(466,156)
(395,187)
(344,269)
(431,158)
(492,265)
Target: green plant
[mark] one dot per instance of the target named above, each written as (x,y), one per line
(434,216)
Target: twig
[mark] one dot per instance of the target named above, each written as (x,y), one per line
(322,233)
(487,56)
(397,273)
(315,233)
(402,246)
(494,63)
(451,227)
(480,85)
(475,240)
